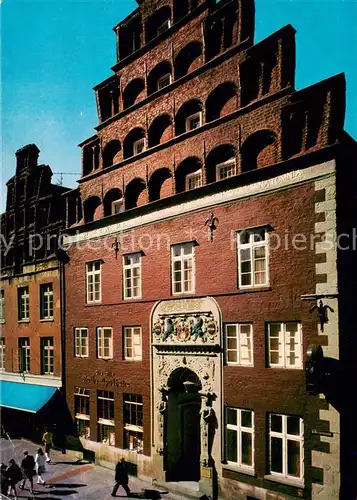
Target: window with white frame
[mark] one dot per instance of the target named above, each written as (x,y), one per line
(46,301)
(164,81)
(163,26)
(239,344)
(253,258)
(132,276)
(94,288)
(183,272)
(285,345)
(226,169)
(194,121)
(117,206)
(24,355)
(194,180)
(139,146)
(105,343)
(81,342)
(81,411)
(105,413)
(133,423)
(132,343)
(2,353)
(286,436)
(23,303)
(239,438)
(47,356)
(2,306)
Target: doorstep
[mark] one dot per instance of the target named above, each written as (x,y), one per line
(187,489)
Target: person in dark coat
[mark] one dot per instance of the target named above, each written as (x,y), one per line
(27,467)
(14,474)
(121,478)
(4,479)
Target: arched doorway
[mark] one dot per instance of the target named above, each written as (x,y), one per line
(183,436)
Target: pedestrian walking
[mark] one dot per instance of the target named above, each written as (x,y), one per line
(40,461)
(27,466)
(121,478)
(4,479)
(47,441)
(14,475)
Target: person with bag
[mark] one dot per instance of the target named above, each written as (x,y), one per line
(121,478)
(47,441)
(14,475)
(27,466)
(40,461)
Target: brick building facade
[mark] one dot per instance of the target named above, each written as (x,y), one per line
(198,245)
(31,353)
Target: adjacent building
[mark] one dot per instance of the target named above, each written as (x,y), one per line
(30,305)
(201,237)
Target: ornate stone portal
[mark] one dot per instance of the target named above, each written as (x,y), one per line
(186,336)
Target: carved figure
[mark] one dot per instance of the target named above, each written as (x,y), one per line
(211,224)
(168,329)
(196,329)
(116,247)
(322,313)
(207,412)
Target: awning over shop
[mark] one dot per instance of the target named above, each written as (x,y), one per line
(26,397)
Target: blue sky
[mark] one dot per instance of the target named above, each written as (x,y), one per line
(55,51)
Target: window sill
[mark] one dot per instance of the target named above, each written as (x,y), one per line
(23,321)
(264,288)
(81,357)
(298,483)
(47,320)
(290,368)
(133,359)
(238,469)
(105,358)
(240,365)
(2,321)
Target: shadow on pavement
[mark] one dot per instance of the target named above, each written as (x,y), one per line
(64,485)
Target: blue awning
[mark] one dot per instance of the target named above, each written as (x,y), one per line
(26,397)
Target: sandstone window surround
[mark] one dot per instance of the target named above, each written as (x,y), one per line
(253,258)
(286,448)
(239,438)
(285,345)
(81,343)
(105,343)
(239,344)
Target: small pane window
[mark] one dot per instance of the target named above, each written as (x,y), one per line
(194,180)
(81,342)
(46,300)
(183,269)
(226,169)
(194,121)
(47,356)
(23,303)
(239,344)
(252,258)
(132,276)
(239,438)
(285,345)
(105,343)
(132,343)
(94,291)
(133,422)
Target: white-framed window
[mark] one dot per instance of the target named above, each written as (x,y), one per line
(226,169)
(23,303)
(81,342)
(24,355)
(139,146)
(132,276)
(239,438)
(105,343)
(194,180)
(286,450)
(94,288)
(133,423)
(285,344)
(183,268)
(239,344)
(194,121)
(163,26)
(2,353)
(253,258)
(106,425)
(164,81)
(117,206)
(2,306)
(46,301)
(132,343)
(47,356)
(81,411)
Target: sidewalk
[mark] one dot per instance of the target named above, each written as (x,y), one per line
(69,478)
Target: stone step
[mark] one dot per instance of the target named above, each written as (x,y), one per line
(182,489)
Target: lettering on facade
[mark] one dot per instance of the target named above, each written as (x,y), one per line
(322,433)
(106,379)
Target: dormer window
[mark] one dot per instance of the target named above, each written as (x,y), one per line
(194,180)
(139,146)
(163,27)
(164,81)
(226,169)
(194,121)
(117,206)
